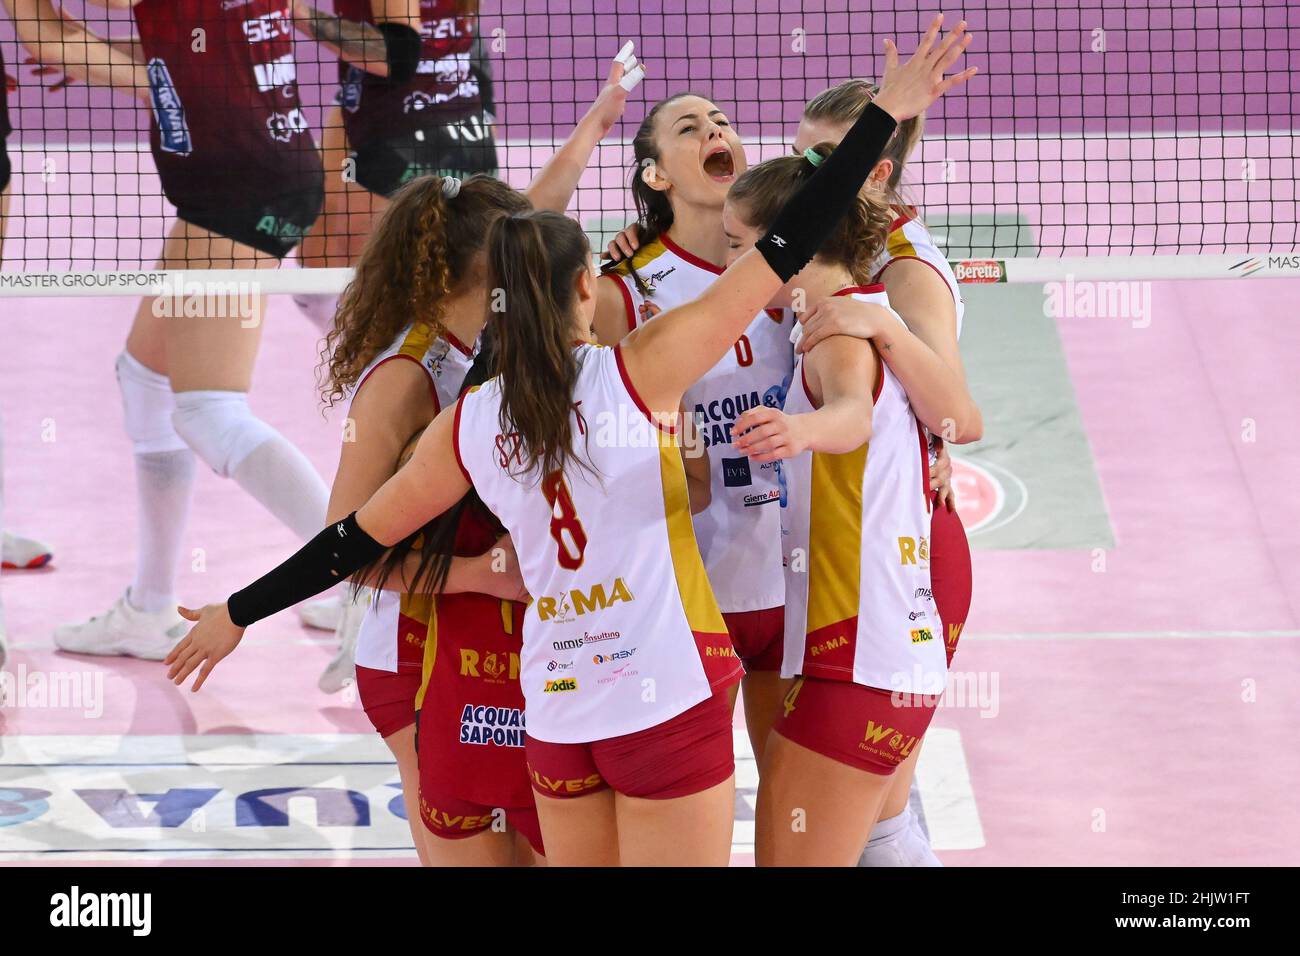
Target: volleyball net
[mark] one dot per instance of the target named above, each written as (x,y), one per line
(1103,139)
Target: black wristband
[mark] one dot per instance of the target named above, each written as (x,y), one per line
(401,50)
(812,214)
(334,554)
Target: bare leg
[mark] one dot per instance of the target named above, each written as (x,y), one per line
(812,810)
(684,831)
(763,691)
(580,831)
(402,744)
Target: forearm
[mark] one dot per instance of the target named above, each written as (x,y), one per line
(464,575)
(939,397)
(53,41)
(841,425)
(361,44)
(554,185)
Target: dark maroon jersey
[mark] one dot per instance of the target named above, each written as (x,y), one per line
(445,86)
(228,126)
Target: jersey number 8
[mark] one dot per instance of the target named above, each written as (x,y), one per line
(569,551)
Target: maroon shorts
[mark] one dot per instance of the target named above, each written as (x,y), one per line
(452,818)
(471,722)
(684,755)
(950,573)
(388,697)
(870,729)
(758,637)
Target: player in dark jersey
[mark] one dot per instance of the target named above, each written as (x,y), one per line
(235,157)
(381,133)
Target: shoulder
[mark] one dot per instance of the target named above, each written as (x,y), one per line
(642,258)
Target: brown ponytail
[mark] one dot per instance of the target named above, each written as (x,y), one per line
(844,104)
(858,240)
(419,252)
(533,261)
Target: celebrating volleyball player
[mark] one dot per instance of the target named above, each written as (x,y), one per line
(860,619)
(235,158)
(687,155)
(399,375)
(924,292)
(426,259)
(629,734)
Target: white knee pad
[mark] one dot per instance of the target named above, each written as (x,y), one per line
(220,427)
(147,406)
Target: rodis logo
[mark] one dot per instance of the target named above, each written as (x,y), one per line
(921,634)
(613,656)
(573,604)
(560,685)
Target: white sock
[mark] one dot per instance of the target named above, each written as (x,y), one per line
(279,476)
(164,482)
(898,841)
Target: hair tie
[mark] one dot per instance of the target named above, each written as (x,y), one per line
(450,187)
(813,156)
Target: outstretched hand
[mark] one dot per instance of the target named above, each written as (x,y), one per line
(908,90)
(209,642)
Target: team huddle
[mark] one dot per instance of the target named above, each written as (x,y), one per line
(586,510)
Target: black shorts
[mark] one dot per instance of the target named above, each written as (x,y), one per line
(458,148)
(6,168)
(275,226)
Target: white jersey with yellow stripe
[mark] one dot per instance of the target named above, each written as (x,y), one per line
(446,361)
(740,531)
(910,239)
(623,632)
(858,601)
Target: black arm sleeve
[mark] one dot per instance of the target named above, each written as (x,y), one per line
(401,50)
(334,554)
(812,214)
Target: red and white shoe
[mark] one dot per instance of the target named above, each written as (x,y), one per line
(23,554)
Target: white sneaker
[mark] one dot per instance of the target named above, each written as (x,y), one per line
(324,614)
(124,632)
(23,554)
(342,669)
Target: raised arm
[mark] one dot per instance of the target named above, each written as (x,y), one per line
(666,356)
(554,184)
(388,47)
(57,40)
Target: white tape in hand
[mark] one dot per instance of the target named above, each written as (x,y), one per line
(632,78)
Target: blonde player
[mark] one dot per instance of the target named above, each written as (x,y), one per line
(925,293)
(861,630)
(600,519)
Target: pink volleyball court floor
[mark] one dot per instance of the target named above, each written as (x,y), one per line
(1119,701)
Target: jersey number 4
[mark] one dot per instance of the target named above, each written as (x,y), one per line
(566,529)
